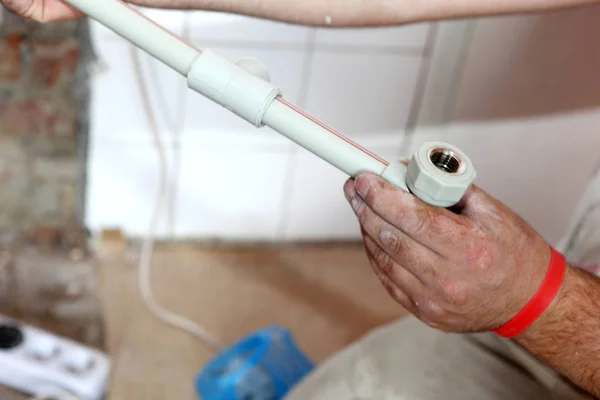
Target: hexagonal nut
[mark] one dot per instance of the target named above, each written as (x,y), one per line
(440,174)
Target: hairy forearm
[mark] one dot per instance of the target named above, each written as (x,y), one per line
(567,337)
(365,12)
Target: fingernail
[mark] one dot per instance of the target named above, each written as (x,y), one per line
(362,185)
(349,190)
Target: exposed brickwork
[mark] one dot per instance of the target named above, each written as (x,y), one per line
(43,116)
(46,273)
(10,58)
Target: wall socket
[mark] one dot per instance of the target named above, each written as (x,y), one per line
(36,362)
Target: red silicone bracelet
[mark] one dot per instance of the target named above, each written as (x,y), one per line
(540,302)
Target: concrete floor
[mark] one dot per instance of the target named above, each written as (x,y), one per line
(327,295)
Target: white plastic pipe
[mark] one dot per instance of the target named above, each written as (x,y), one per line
(141,31)
(238,89)
(321,140)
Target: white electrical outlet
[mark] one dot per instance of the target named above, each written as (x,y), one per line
(37,362)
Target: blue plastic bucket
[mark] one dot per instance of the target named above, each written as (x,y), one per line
(262,366)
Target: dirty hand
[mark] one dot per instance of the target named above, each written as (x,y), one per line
(466,271)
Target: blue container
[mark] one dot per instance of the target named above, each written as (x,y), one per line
(262,366)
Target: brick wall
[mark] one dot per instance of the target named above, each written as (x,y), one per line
(46,271)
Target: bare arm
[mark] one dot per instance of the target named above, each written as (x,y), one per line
(567,336)
(318,12)
(366,12)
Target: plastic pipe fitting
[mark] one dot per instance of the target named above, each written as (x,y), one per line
(242,88)
(438,173)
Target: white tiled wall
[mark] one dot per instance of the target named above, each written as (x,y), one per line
(122,186)
(236,181)
(230,193)
(362,94)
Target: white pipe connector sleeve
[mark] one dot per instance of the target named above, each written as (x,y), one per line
(321,141)
(141,31)
(235,88)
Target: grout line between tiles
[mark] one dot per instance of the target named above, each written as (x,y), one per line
(464,51)
(417,102)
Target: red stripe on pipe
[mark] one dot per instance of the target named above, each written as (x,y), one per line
(332,131)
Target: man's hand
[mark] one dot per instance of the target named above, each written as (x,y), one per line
(42,10)
(473,270)
(469,271)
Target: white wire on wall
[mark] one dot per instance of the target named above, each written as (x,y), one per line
(175,124)
(145,264)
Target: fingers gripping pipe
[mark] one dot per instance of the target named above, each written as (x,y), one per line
(438,173)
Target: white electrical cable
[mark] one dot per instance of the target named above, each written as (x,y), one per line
(145,263)
(175,123)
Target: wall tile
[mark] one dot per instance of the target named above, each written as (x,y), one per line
(114,112)
(401,36)
(362,94)
(117,111)
(122,184)
(531,65)
(231,194)
(210,26)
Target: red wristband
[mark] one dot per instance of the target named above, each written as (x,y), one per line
(540,302)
